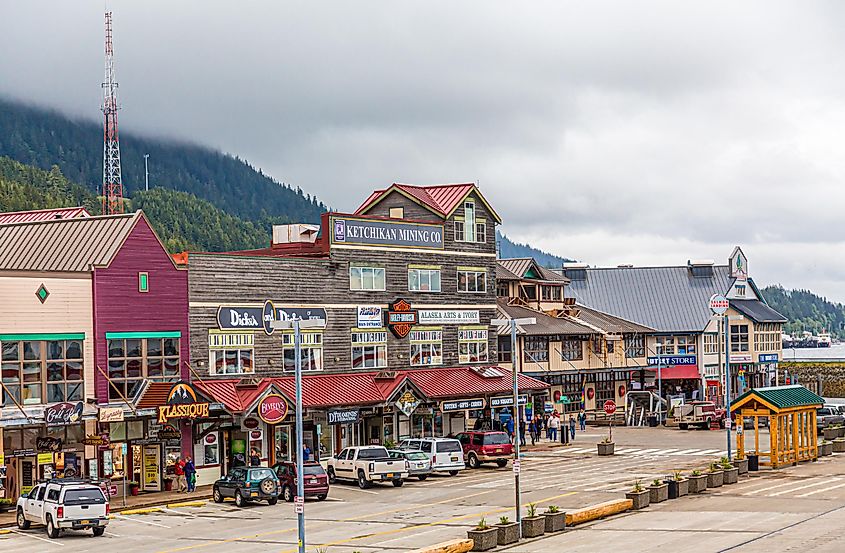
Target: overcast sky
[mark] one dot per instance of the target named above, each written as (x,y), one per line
(608,131)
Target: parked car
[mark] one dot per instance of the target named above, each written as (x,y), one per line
(700,414)
(827,415)
(417,462)
(248,484)
(445,454)
(485,447)
(365,465)
(315,484)
(64,504)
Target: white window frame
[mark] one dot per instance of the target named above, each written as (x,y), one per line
(371,273)
(428,272)
(469,221)
(374,340)
(221,342)
(426,343)
(476,274)
(473,342)
(310,341)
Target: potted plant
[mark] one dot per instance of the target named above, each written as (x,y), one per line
(639,495)
(697,482)
(508,531)
(678,485)
(731,472)
(831,432)
(555,519)
(606,447)
(741,465)
(533,525)
(825,448)
(483,536)
(715,475)
(134,488)
(658,491)
(5,504)
(839,445)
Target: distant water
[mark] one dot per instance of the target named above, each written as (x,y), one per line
(836,352)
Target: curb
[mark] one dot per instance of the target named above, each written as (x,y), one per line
(187,504)
(144,511)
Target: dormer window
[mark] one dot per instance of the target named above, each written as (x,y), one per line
(469,221)
(470,228)
(740,290)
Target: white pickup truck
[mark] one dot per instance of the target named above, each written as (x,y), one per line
(64,504)
(367,464)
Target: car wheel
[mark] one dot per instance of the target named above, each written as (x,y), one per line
(422,477)
(218,497)
(453,472)
(272,500)
(722,423)
(472,461)
(683,426)
(287,492)
(23,524)
(332,477)
(322,497)
(501,462)
(52,531)
(239,499)
(398,483)
(363,483)
(99,531)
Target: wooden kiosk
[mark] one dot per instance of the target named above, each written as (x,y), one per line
(791,411)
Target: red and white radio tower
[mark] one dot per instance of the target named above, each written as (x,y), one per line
(112,181)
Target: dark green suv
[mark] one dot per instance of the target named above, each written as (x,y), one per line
(247,484)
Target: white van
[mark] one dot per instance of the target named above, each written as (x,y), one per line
(446,454)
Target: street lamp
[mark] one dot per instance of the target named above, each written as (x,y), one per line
(297,325)
(728,319)
(515,364)
(146,173)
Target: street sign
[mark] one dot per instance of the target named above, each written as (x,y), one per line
(719,304)
(516,467)
(609,407)
(299,504)
(728,423)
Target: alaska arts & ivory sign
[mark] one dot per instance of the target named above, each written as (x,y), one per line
(182,403)
(395,234)
(445,317)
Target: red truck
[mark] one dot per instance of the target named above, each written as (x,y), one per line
(699,414)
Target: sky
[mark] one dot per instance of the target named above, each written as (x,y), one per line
(611,132)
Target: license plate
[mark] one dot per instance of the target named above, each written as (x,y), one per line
(254,494)
(455,459)
(389,475)
(499,450)
(84,522)
(312,481)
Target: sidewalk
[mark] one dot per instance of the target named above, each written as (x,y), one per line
(141,501)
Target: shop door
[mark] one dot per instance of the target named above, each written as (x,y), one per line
(27,474)
(151,463)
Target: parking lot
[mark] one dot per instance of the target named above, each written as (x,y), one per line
(388,519)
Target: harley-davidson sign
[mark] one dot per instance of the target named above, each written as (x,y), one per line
(182,403)
(400,318)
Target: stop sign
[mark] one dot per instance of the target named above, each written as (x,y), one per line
(609,407)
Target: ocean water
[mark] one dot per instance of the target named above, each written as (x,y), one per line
(836,352)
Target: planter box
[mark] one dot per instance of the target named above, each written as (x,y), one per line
(484,540)
(555,522)
(741,465)
(657,494)
(640,499)
(697,484)
(606,449)
(715,479)
(839,445)
(825,449)
(508,533)
(731,476)
(831,433)
(678,488)
(533,526)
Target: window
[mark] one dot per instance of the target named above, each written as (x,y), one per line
(132,360)
(53,495)
(64,371)
(472,345)
(665,345)
(22,374)
(711,344)
(536,349)
(311,351)
(426,347)
(739,338)
(502,290)
(397,212)
(366,278)
(635,345)
(459,230)
(740,290)
(469,221)
(767,337)
(481,231)
(605,388)
(143,282)
(369,350)
(550,293)
(231,352)
(504,349)
(572,349)
(685,345)
(424,280)
(36,372)
(472,280)
(598,344)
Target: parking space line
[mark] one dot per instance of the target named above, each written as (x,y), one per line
(54,542)
(139,521)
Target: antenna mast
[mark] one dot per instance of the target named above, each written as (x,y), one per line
(112,181)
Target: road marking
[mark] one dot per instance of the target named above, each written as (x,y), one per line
(139,521)
(688,452)
(820,483)
(821,490)
(54,542)
(760,490)
(113,534)
(381,543)
(360,490)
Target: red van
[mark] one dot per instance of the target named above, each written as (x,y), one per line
(485,447)
(316,482)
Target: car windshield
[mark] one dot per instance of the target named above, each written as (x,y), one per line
(261,474)
(499,438)
(85,496)
(824,411)
(313,470)
(448,446)
(374,453)
(416,456)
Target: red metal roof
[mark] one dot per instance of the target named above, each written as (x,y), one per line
(467,382)
(42,215)
(442,199)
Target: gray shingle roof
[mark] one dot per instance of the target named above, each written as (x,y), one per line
(609,323)
(546,325)
(519,265)
(667,299)
(758,311)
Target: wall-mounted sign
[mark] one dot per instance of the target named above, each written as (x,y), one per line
(110,414)
(272,313)
(23,453)
(46,443)
(169,432)
(719,304)
(741,358)
(344,416)
(210,439)
(400,318)
(369,316)
(95,439)
(44,459)
(768,357)
(407,403)
(461,405)
(240,318)
(506,401)
(250,423)
(256,435)
(445,317)
(182,403)
(671,360)
(63,413)
(739,264)
(272,408)
(395,234)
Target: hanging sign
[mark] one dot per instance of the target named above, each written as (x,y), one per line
(407,403)
(768,357)
(400,318)
(272,408)
(461,405)
(63,413)
(506,401)
(344,416)
(94,439)
(369,316)
(211,438)
(182,403)
(46,443)
(444,317)
(250,423)
(377,232)
(110,414)
(719,304)
(169,432)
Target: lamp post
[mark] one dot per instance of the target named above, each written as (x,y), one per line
(146,173)
(299,502)
(512,323)
(728,319)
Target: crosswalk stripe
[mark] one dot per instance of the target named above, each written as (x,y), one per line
(814,492)
(761,490)
(820,483)
(666,451)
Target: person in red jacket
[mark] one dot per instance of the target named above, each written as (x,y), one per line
(179,471)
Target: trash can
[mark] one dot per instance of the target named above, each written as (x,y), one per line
(753,462)
(652,420)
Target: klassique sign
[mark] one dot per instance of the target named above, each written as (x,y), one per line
(344,416)
(182,403)
(399,234)
(445,317)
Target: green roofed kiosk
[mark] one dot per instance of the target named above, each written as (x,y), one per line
(791,410)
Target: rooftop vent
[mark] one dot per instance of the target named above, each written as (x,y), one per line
(248,383)
(575,271)
(701,268)
(386,375)
(295,234)
(488,372)
(625,266)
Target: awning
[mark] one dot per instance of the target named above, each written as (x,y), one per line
(677,372)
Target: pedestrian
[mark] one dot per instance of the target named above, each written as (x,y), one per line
(190,474)
(582,419)
(564,431)
(509,426)
(522,433)
(532,430)
(306,452)
(179,471)
(540,425)
(572,426)
(254,457)
(554,425)
(546,419)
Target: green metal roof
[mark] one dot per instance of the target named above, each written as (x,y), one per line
(784,397)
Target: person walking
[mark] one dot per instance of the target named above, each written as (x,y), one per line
(522,433)
(554,425)
(546,419)
(572,426)
(190,474)
(306,452)
(509,427)
(254,458)
(179,471)
(582,420)
(532,430)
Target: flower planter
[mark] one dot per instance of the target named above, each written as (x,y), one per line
(839,445)
(698,484)
(533,526)
(606,448)
(508,533)
(825,448)
(678,488)
(555,522)
(731,475)
(484,540)
(657,494)
(741,465)
(831,433)
(715,479)
(640,499)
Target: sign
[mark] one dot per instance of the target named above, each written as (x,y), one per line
(94,439)
(251,423)
(182,403)
(369,316)
(272,408)
(270,313)
(169,432)
(728,423)
(256,435)
(407,403)
(768,358)
(516,466)
(548,407)
(210,438)
(45,458)
(461,405)
(152,470)
(23,453)
(110,414)
(739,430)
(240,318)
(671,360)
(344,416)
(299,504)
(739,264)
(741,358)
(45,443)
(506,401)
(719,304)
(395,234)
(445,317)
(63,413)
(400,318)
(609,407)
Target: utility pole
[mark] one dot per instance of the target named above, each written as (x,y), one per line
(146,173)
